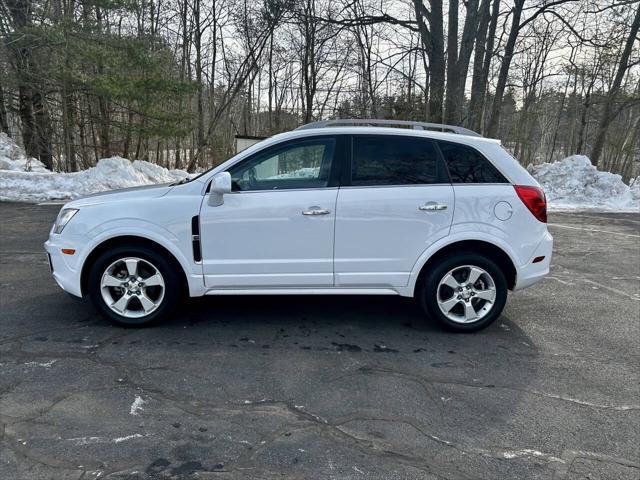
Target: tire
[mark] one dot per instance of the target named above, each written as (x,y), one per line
(439,292)
(134,303)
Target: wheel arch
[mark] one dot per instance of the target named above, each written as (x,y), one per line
(128,241)
(491,250)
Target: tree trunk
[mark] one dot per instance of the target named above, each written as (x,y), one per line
(4,123)
(307,66)
(82,136)
(43,130)
(486,65)
(105,140)
(94,139)
(200,95)
(478,87)
(68,125)
(583,123)
(608,112)
(20,11)
(494,116)
(432,39)
(271,85)
(127,136)
(459,61)
(25,110)
(452,62)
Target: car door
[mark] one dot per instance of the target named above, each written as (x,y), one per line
(395,201)
(276,228)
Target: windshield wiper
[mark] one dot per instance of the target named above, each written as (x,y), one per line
(180,182)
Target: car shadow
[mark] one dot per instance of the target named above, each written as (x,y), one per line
(376,318)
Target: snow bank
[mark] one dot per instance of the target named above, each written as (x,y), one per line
(12,157)
(27,180)
(575,184)
(304,172)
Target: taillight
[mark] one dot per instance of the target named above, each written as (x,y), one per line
(534,199)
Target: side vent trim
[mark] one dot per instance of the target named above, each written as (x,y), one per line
(195,239)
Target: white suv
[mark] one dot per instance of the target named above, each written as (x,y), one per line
(447,217)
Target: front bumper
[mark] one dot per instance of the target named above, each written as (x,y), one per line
(531,273)
(64,267)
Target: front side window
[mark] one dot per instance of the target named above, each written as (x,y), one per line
(298,164)
(467,165)
(394,160)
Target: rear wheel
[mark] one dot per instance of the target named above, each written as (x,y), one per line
(464,293)
(133,286)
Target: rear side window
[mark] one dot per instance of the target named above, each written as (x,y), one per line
(394,160)
(467,165)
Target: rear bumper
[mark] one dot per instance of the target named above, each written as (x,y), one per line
(531,273)
(63,268)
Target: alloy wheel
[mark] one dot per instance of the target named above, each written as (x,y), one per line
(132,287)
(466,294)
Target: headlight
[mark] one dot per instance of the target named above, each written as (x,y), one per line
(63,218)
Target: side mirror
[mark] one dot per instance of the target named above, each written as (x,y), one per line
(220,184)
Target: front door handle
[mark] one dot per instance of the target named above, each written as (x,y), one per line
(433,206)
(315,211)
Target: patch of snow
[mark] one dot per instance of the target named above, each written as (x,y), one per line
(41,364)
(620,408)
(575,184)
(109,174)
(92,440)
(128,437)
(26,180)
(528,452)
(252,402)
(438,439)
(136,406)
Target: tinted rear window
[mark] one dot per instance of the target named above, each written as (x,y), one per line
(467,165)
(394,160)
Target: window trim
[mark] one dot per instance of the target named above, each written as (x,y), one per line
(336,163)
(442,174)
(507,181)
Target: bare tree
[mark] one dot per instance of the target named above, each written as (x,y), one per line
(458,60)
(609,112)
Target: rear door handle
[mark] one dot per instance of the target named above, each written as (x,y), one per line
(315,211)
(433,206)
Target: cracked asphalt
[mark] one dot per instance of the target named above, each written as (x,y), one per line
(326,387)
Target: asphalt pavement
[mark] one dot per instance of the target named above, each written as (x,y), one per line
(326,387)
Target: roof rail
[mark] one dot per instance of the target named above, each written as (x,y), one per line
(372,122)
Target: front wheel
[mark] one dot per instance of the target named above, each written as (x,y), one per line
(133,286)
(464,293)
